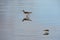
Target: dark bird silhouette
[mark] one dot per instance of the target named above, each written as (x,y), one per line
(46,30)
(25,12)
(46,34)
(26,19)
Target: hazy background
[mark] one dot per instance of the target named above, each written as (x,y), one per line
(45,15)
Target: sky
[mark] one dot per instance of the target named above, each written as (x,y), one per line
(45,15)
(44,12)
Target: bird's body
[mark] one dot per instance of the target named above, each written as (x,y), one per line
(46,30)
(25,12)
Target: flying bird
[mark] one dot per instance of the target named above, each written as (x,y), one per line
(26,12)
(46,32)
(27,16)
(26,19)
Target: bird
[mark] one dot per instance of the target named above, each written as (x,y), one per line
(25,12)
(46,30)
(46,34)
(26,19)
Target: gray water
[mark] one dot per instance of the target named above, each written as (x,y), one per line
(45,15)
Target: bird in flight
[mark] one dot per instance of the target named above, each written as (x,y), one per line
(46,32)
(25,12)
(26,19)
(27,16)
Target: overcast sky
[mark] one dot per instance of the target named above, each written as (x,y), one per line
(45,15)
